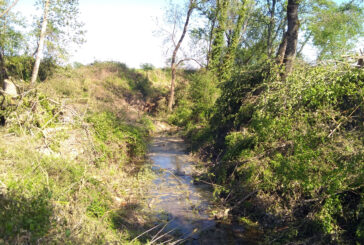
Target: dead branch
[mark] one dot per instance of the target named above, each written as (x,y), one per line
(338,126)
(244,199)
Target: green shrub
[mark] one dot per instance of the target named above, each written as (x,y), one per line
(195,102)
(19,213)
(21,67)
(111,132)
(299,141)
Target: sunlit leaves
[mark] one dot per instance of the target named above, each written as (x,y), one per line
(335,28)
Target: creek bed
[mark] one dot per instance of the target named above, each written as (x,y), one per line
(176,199)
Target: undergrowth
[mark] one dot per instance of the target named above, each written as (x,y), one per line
(72,161)
(293,148)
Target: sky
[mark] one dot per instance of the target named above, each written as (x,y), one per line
(122,30)
(117,30)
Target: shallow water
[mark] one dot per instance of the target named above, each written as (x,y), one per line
(175,196)
(176,199)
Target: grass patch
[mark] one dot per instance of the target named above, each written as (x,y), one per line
(72,159)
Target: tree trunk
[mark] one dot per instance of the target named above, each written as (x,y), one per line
(219,41)
(210,41)
(174,55)
(292,34)
(173,82)
(270,28)
(282,49)
(3,73)
(360,63)
(41,43)
(229,58)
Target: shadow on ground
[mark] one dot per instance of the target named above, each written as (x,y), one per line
(24,220)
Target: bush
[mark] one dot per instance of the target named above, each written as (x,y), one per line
(195,103)
(299,141)
(21,67)
(111,132)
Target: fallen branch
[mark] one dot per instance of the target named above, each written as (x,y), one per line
(338,126)
(145,232)
(165,234)
(330,195)
(50,120)
(244,199)
(208,183)
(155,238)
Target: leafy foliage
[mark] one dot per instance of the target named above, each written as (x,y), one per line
(196,106)
(110,130)
(63,28)
(324,21)
(293,141)
(12,40)
(21,67)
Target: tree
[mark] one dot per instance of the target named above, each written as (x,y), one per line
(59,28)
(11,39)
(292,35)
(39,53)
(335,28)
(232,20)
(229,57)
(202,36)
(272,10)
(8,9)
(264,29)
(218,33)
(191,7)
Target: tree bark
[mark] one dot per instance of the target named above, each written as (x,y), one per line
(41,43)
(3,73)
(210,41)
(270,27)
(292,35)
(174,55)
(282,49)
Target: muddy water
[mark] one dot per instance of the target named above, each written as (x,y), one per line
(176,199)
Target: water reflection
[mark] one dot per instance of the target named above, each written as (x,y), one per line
(175,195)
(184,205)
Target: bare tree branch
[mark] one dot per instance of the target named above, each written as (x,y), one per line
(189,59)
(9,8)
(191,7)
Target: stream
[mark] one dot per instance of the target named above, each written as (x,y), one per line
(176,199)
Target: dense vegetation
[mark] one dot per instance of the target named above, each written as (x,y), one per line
(296,146)
(72,157)
(281,139)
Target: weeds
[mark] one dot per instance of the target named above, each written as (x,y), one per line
(298,143)
(70,159)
